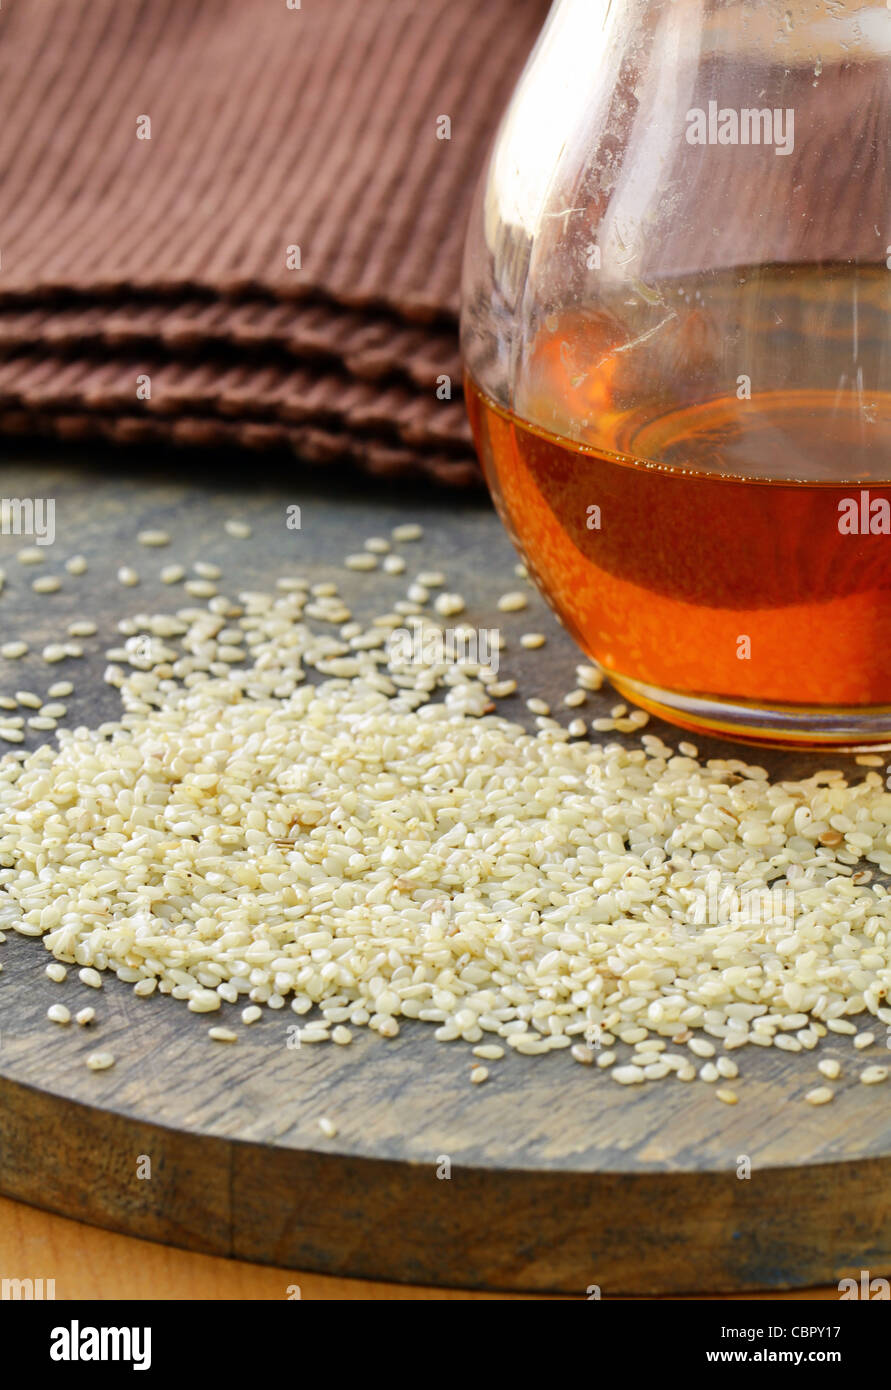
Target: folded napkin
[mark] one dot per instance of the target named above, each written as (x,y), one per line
(160,163)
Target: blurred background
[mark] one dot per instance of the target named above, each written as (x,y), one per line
(241,221)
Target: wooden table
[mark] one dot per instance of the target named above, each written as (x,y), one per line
(561,1179)
(91,1263)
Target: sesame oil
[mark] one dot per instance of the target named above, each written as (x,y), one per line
(713,550)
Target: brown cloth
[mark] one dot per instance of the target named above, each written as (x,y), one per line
(270,128)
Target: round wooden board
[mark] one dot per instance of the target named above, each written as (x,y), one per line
(559,1179)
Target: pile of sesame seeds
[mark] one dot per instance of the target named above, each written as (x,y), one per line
(287,815)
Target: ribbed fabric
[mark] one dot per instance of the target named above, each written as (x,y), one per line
(363,344)
(32,381)
(270,128)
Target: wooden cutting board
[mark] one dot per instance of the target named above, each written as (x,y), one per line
(547,1177)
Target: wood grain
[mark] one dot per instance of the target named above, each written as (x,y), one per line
(559,1178)
(88,1263)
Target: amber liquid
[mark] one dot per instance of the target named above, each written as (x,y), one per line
(721,548)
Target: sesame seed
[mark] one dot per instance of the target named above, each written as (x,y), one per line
(447,605)
(532,640)
(536,706)
(47,584)
(362,561)
(56,971)
(589,677)
(873,1075)
(478,1075)
(172,574)
(627,1075)
(89,976)
(153,538)
(239,530)
(726,1095)
(82,628)
(200,588)
(821,1095)
(10,735)
(394,564)
(828,1066)
(204,1001)
(863,1040)
(377,545)
(308,892)
(61,689)
(328,1127)
(513,602)
(314,1032)
(128,577)
(13,650)
(408,531)
(30,555)
(575,698)
(225,1035)
(53,652)
(28,699)
(76,565)
(57,1013)
(85,1016)
(100,1061)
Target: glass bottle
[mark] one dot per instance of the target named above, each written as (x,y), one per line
(676,337)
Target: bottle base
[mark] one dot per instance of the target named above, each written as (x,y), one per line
(866,727)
